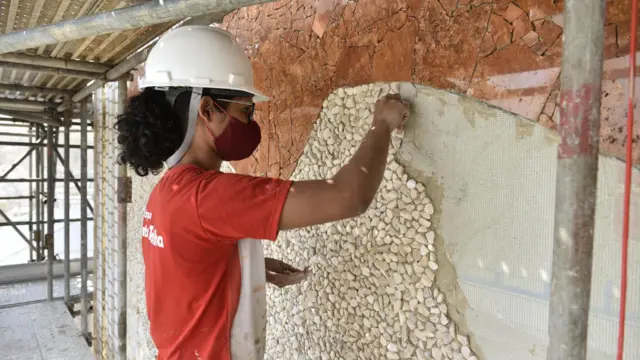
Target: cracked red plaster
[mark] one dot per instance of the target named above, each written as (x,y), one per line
(298,69)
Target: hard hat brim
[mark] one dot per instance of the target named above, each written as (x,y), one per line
(258,96)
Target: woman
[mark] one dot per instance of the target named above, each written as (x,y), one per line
(204,272)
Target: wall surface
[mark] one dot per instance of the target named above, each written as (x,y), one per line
(457,262)
(139,343)
(491,176)
(507,53)
(372,294)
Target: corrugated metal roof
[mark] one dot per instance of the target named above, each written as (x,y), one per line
(16,15)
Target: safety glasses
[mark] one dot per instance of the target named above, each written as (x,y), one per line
(249,109)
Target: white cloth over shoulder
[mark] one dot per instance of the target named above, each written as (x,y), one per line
(248,333)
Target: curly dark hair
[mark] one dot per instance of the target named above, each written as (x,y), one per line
(151,129)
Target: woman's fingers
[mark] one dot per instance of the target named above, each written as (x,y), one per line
(287,267)
(282,280)
(282,274)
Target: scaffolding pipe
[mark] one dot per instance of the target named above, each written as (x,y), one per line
(74,299)
(73,179)
(577,170)
(57,63)
(113,74)
(40,118)
(17,163)
(43,178)
(48,240)
(56,140)
(36,180)
(83,224)
(15,123)
(31,197)
(12,134)
(56,221)
(24,143)
(67,205)
(35,89)
(48,70)
(38,231)
(124,197)
(118,71)
(149,13)
(15,227)
(26,105)
(11,274)
(19,197)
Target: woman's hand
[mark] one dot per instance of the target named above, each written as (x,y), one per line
(282,274)
(392,111)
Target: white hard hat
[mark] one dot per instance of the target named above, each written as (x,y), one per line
(199,57)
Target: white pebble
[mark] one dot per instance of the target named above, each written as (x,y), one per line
(429,209)
(381,265)
(466,352)
(392,356)
(463,339)
(436,354)
(431,236)
(422,239)
(350,103)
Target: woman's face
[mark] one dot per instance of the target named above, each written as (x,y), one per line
(217,120)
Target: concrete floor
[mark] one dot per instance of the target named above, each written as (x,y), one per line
(31,291)
(43,331)
(51,328)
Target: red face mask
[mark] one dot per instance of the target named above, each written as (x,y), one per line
(238,140)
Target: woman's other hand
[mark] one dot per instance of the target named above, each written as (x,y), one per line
(282,274)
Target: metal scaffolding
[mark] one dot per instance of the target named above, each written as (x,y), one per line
(41,197)
(576,182)
(35,112)
(42,168)
(124,197)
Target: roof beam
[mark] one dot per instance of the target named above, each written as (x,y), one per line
(11,19)
(39,118)
(48,70)
(25,105)
(31,106)
(35,89)
(113,74)
(54,62)
(149,13)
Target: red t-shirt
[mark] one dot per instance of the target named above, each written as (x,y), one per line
(191,226)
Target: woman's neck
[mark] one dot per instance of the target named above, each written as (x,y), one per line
(202,160)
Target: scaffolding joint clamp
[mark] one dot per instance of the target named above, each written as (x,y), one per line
(48,241)
(124,189)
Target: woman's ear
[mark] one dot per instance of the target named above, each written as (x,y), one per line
(207,110)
